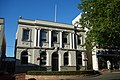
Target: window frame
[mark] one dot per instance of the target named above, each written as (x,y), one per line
(65,38)
(26,34)
(56,36)
(42,38)
(78,40)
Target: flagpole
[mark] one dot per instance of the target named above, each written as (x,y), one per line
(55,12)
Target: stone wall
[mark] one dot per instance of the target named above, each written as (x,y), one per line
(38,77)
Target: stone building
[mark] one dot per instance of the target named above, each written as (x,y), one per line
(49,46)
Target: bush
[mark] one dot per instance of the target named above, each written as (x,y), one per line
(91,72)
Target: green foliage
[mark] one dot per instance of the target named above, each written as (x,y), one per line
(102,19)
(91,72)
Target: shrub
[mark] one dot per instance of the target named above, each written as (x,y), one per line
(91,72)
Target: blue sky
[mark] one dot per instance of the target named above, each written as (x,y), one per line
(34,9)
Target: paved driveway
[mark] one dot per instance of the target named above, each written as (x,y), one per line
(109,76)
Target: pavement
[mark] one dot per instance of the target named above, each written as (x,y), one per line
(114,75)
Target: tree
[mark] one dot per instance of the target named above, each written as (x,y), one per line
(102,19)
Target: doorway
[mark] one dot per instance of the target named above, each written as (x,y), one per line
(54,61)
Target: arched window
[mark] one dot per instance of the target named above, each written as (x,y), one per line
(43,58)
(24,57)
(66,58)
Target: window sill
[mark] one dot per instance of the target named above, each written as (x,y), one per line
(56,43)
(45,42)
(66,43)
(26,40)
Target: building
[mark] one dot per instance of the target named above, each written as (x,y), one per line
(49,46)
(2,41)
(88,51)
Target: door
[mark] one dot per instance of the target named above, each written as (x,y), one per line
(54,61)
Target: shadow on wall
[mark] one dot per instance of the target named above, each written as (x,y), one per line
(23,68)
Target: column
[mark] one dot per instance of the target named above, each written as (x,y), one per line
(48,59)
(29,58)
(35,36)
(70,40)
(60,39)
(83,58)
(81,40)
(94,59)
(73,41)
(60,61)
(50,38)
(76,42)
(38,41)
(70,58)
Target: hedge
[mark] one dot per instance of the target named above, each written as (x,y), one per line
(91,72)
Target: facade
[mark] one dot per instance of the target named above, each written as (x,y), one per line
(88,51)
(49,46)
(2,41)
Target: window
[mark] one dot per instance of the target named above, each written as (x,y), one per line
(66,58)
(78,40)
(54,39)
(26,34)
(43,58)
(65,35)
(24,57)
(43,34)
(79,59)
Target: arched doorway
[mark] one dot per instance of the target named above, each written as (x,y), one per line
(54,61)
(24,57)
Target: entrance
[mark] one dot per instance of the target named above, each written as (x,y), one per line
(109,60)
(54,61)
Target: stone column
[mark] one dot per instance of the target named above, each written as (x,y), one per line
(60,61)
(38,43)
(73,41)
(94,59)
(29,58)
(48,59)
(69,59)
(50,38)
(60,39)
(35,37)
(70,40)
(83,58)
(76,42)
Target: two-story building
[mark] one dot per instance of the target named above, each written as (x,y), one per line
(49,46)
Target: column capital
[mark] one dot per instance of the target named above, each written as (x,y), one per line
(38,28)
(50,30)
